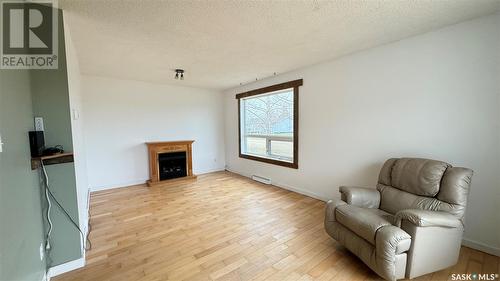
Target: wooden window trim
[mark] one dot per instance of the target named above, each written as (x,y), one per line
(290,84)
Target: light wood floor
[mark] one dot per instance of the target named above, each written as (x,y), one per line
(223,227)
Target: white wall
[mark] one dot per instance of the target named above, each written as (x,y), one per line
(75,104)
(434,96)
(121,115)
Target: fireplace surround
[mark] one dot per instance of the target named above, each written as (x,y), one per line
(169,161)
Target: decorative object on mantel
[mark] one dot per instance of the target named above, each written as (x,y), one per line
(59,158)
(170,161)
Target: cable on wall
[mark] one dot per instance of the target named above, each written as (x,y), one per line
(48,195)
(47,241)
(88,246)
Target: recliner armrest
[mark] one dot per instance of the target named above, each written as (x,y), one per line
(392,240)
(331,205)
(360,196)
(425,218)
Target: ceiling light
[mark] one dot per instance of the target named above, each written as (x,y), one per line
(179,73)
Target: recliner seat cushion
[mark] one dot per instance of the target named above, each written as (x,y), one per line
(364,222)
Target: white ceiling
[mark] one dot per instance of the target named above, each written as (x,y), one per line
(221,44)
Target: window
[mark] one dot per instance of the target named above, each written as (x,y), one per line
(268,124)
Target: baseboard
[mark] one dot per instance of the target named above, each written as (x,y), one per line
(219,169)
(65,267)
(481,247)
(143,181)
(301,191)
(238,173)
(118,185)
(286,186)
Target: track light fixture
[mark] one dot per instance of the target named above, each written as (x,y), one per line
(179,73)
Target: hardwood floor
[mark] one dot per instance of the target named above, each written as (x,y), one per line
(224,227)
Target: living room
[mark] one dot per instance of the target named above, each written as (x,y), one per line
(244,140)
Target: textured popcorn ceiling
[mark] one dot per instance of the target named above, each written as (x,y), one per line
(221,44)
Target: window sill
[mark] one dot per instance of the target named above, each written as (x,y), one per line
(293,165)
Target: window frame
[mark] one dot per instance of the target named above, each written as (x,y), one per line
(282,86)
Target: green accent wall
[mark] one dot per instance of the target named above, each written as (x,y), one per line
(25,94)
(50,96)
(21,229)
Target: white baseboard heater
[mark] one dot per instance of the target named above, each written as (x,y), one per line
(261,179)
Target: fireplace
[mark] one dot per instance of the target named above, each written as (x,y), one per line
(172,165)
(169,161)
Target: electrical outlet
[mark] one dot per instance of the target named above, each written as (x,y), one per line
(39,124)
(42,251)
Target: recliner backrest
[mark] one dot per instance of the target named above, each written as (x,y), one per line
(416,183)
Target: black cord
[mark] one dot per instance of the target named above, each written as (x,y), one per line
(65,212)
(89,229)
(89,243)
(62,208)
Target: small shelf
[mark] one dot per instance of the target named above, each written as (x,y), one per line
(60,158)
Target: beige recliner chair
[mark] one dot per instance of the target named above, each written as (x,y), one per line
(410,225)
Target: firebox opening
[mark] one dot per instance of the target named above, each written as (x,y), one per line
(172,165)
